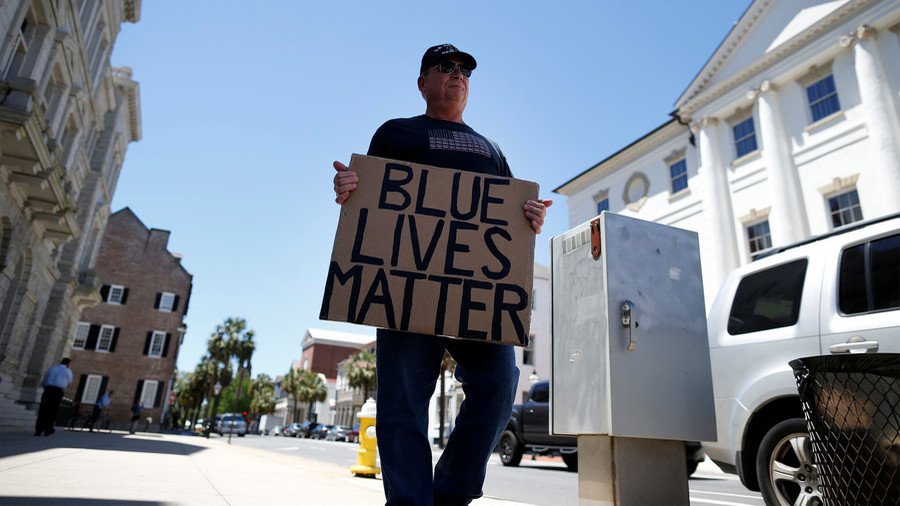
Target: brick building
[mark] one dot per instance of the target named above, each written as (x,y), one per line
(129,343)
(66,120)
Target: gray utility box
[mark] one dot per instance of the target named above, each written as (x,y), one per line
(630,353)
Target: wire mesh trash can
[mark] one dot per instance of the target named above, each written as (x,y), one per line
(852,409)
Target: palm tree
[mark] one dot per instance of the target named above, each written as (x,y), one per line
(231,340)
(291,385)
(311,389)
(361,372)
(263,391)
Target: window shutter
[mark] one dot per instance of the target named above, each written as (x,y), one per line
(80,390)
(115,338)
(166,344)
(156,304)
(124,296)
(159,392)
(175,304)
(147,342)
(104,293)
(103,383)
(138,391)
(93,333)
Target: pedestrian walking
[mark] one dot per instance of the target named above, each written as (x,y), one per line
(408,364)
(55,381)
(136,410)
(101,406)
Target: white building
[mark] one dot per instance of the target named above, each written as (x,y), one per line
(791,129)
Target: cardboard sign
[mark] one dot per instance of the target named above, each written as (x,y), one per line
(433,251)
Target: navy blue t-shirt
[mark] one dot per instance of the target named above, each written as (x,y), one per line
(438,143)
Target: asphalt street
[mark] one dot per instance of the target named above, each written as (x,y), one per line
(544,481)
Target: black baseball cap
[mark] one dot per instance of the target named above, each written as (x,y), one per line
(436,54)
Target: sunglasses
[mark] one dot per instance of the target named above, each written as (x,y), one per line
(448,67)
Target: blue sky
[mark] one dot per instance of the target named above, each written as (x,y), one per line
(246,104)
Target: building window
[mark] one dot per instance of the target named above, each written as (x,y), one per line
(166,302)
(744,137)
(104,341)
(157,341)
(116,294)
(822,98)
(603,205)
(91,389)
(148,393)
(759,238)
(678,172)
(845,209)
(81,335)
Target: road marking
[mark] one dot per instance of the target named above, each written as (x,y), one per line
(728,494)
(725,503)
(288,448)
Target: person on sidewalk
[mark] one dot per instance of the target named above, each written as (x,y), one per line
(136,410)
(55,381)
(100,406)
(408,364)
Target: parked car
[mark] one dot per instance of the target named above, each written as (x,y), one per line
(293,430)
(319,431)
(833,294)
(528,432)
(308,429)
(278,430)
(342,433)
(232,423)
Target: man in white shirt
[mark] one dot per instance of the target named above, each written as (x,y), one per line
(55,381)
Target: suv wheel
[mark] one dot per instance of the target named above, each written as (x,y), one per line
(510,449)
(785,467)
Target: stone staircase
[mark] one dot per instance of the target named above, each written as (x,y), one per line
(15,417)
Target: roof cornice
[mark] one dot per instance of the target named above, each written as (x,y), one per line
(626,155)
(697,95)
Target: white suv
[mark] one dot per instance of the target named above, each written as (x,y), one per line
(837,293)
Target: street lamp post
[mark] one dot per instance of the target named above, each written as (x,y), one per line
(217,389)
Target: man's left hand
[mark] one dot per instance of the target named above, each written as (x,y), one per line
(535,211)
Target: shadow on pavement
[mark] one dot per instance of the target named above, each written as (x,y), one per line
(19,443)
(74,501)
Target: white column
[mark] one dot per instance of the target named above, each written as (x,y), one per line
(881,122)
(717,209)
(787,220)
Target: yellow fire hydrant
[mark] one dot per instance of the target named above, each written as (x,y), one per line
(368,449)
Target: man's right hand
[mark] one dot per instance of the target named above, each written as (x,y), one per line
(344,182)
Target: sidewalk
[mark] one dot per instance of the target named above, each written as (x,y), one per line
(148,469)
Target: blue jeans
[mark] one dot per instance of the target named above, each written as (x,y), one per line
(408,370)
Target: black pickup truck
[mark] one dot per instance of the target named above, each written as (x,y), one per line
(528,431)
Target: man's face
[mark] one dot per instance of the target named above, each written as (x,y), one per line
(447,89)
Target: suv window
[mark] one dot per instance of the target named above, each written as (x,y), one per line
(868,276)
(768,299)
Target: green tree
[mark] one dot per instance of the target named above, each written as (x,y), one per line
(311,389)
(231,341)
(361,372)
(262,392)
(291,385)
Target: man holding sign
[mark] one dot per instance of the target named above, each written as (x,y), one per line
(408,364)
